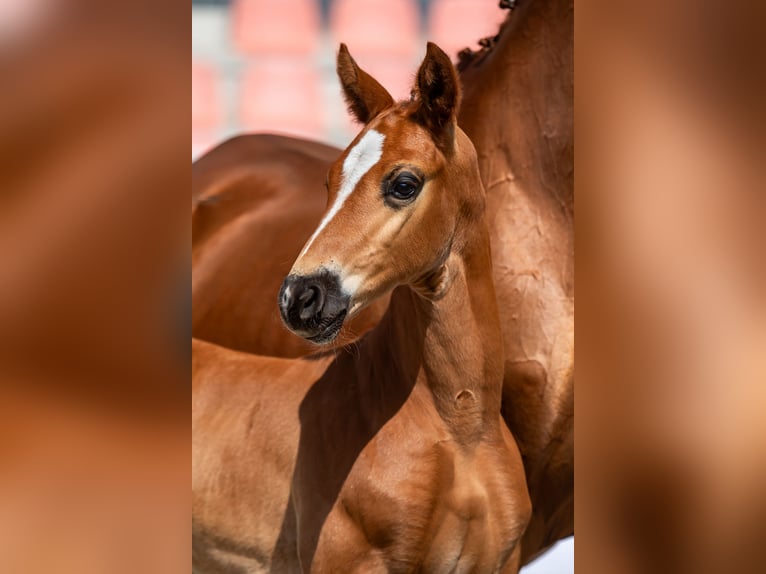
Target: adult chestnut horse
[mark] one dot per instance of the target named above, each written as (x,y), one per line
(518,110)
(392,457)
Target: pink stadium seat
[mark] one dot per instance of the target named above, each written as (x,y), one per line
(276,26)
(282,96)
(394,74)
(376,27)
(457,24)
(206,110)
(203,143)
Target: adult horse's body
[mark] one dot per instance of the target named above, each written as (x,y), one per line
(392,457)
(517,109)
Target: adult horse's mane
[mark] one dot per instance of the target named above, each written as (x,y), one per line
(468,57)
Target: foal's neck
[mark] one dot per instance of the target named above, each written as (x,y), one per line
(453,341)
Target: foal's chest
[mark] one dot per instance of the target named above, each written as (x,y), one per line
(416,501)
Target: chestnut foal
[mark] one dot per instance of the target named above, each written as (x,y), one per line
(391,455)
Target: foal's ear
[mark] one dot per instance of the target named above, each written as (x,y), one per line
(437,92)
(365,97)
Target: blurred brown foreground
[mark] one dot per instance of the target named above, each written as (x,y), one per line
(671,278)
(94,287)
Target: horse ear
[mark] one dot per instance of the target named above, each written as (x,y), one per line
(365,97)
(437,93)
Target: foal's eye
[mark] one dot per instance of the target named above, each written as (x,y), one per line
(404,186)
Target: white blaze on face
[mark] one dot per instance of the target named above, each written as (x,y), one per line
(359,160)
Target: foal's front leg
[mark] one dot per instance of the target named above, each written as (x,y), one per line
(343,547)
(514,561)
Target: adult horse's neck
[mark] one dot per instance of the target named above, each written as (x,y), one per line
(518,101)
(451,344)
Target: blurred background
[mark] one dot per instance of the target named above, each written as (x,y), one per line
(269,65)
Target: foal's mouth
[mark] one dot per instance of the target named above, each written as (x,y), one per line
(328,329)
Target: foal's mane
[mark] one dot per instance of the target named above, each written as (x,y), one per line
(468,57)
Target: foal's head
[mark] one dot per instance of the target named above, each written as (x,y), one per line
(402,197)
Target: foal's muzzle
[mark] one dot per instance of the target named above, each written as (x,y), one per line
(313,306)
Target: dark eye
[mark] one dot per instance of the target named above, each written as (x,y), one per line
(404,186)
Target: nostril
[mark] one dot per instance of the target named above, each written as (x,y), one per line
(310,302)
(308,296)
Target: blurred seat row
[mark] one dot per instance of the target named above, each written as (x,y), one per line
(280,86)
(372,27)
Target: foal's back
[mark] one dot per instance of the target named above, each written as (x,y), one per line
(245,431)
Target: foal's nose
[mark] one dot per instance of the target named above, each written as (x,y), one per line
(313,306)
(305,299)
